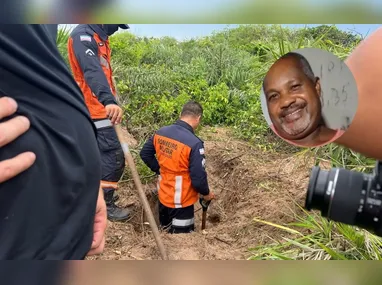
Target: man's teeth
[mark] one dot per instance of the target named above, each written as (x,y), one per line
(298,110)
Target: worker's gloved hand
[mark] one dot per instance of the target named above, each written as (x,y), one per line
(206,200)
(209,197)
(204,203)
(115,113)
(9,131)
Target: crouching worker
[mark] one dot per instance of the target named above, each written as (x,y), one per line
(180,165)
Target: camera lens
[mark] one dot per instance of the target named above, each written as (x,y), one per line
(337,193)
(315,199)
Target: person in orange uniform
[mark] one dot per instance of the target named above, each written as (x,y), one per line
(89,57)
(180,165)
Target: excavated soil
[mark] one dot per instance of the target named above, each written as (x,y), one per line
(248,182)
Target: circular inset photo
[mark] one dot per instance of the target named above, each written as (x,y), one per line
(309,97)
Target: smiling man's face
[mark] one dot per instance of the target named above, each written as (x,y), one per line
(293,100)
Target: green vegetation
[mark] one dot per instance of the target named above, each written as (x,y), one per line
(316,238)
(224,72)
(62,42)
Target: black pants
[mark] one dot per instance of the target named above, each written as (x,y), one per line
(177,220)
(112,157)
(34,273)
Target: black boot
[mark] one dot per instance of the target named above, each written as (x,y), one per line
(115,213)
(115,198)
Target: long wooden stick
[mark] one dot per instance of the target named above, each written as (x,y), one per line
(130,161)
(204,218)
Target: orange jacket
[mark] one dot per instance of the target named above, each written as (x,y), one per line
(89,57)
(180,164)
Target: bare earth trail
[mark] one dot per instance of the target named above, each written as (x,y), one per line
(249,183)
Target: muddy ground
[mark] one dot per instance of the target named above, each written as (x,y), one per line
(249,183)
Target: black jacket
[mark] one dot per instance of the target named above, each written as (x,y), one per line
(46,212)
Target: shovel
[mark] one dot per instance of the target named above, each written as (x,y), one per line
(204,205)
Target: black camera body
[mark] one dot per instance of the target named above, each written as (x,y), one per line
(348,197)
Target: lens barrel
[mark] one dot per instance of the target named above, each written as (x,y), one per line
(337,193)
(315,198)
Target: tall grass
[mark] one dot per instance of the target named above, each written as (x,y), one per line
(339,156)
(63,34)
(316,238)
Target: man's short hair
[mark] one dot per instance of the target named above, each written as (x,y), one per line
(192,108)
(303,62)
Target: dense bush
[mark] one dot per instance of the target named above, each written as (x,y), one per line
(155,77)
(223,72)
(161,75)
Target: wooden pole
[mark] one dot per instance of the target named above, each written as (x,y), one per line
(130,162)
(146,206)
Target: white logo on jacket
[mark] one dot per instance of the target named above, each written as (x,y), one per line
(89,52)
(85,38)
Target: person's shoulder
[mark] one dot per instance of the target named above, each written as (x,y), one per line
(165,129)
(181,134)
(193,140)
(82,30)
(28,34)
(198,142)
(172,131)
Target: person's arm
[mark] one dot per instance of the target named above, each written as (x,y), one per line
(147,154)
(197,169)
(364,134)
(100,225)
(86,53)
(9,131)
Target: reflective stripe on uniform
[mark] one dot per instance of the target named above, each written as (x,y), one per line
(158,183)
(178,191)
(104,62)
(108,184)
(103,124)
(182,223)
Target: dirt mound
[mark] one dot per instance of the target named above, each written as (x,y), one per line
(249,183)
